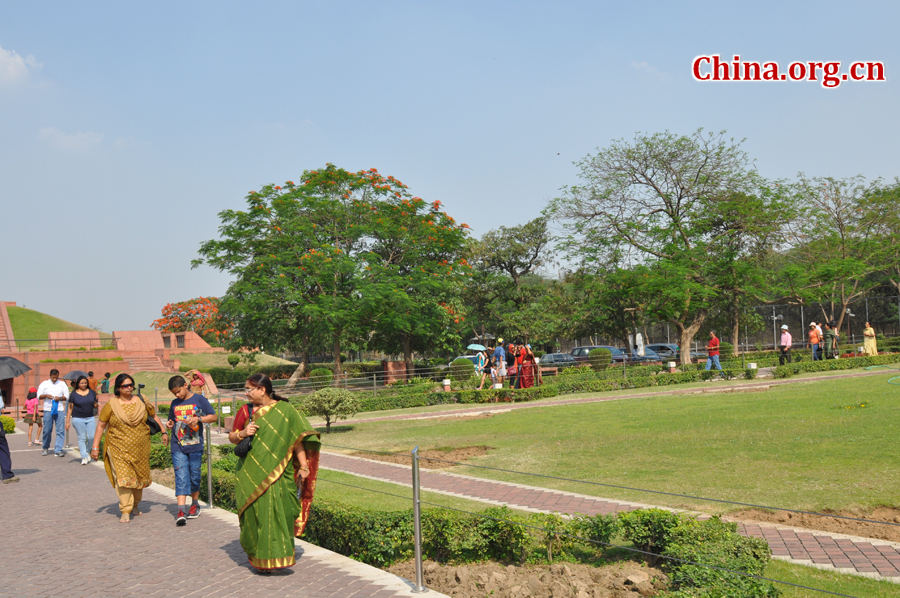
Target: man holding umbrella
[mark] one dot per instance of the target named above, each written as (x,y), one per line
(54,393)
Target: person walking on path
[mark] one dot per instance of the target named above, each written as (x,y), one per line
(54,392)
(870,344)
(483,367)
(33,416)
(784,346)
(831,341)
(284,455)
(127,450)
(187,414)
(500,361)
(92,382)
(527,374)
(81,415)
(815,341)
(104,384)
(6,473)
(712,352)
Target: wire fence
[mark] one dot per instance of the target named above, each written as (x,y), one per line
(415,458)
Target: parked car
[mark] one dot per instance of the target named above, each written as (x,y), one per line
(558,360)
(667,351)
(648,356)
(583,353)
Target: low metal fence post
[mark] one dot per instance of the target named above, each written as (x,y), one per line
(219,413)
(209,484)
(417,523)
(156,398)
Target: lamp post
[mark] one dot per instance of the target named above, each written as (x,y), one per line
(775,320)
(850,314)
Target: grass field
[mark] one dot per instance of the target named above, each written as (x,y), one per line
(793,446)
(28,324)
(204,361)
(339,487)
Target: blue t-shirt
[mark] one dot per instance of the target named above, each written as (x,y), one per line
(82,406)
(182,438)
(500,357)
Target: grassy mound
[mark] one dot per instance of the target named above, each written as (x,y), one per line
(28,324)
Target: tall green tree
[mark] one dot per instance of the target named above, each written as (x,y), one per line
(655,202)
(313,261)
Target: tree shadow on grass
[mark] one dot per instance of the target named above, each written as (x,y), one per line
(336,429)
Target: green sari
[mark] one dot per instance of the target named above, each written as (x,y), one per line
(270,513)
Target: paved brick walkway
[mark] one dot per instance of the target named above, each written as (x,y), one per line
(847,554)
(63,539)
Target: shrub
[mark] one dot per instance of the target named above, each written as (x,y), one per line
(750,373)
(648,529)
(717,544)
(677,378)
(160,457)
(599,528)
(373,537)
(223,488)
(450,536)
(553,535)
(9,424)
(600,359)
(321,376)
(227,462)
(331,403)
(461,369)
(234,360)
(726,350)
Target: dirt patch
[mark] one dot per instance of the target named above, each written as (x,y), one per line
(450,454)
(829,524)
(164,477)
(620,580)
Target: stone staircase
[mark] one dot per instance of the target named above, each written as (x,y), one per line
(7,342)
(147,363)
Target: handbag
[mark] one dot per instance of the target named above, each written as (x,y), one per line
(151,422)
(244,446)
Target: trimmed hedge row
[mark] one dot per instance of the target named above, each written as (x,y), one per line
(789,369)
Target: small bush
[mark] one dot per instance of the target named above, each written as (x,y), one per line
(223,488)
(600,359)
(227,462)
(461,369)
(726,350)
(160,457)
(750,373)
(599,528)
(321,376)
(9,424)
(331,403)
(234,360)
(648,529)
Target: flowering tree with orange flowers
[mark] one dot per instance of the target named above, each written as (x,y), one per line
(321,263)
(200,315)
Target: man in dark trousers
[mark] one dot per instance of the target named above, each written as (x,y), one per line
(6,473)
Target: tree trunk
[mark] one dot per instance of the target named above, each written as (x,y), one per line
(735,330)
(298,373)
(336,350)
(407,356)
(686,335)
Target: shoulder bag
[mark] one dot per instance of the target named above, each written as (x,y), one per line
(151,422)
(244,446)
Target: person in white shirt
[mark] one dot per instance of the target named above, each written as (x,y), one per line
(54,392)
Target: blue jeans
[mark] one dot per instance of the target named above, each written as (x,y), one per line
(187,472)
(713,359)
(60,420)
(815,352)
(85,427)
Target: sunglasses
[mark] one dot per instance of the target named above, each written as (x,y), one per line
(127,386)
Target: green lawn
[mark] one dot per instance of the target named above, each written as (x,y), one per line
(848,585)
(793,446)
(28,324)
(204,361)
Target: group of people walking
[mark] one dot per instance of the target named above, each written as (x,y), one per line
(276,471)
(515,362)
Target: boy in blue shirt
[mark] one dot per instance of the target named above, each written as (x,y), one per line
(187,414)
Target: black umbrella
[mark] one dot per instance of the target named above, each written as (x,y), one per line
(74,375)
(11,368)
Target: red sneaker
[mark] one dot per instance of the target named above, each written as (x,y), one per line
(181,519)
(193,512)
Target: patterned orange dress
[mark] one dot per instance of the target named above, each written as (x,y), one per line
(127,458)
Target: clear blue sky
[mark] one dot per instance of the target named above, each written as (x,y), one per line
(126,127)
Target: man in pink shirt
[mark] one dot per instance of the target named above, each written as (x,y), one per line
(784,346)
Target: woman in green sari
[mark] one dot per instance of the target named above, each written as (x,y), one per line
(284,457)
